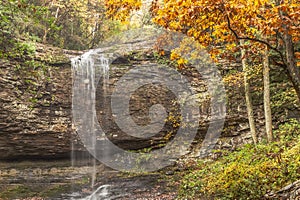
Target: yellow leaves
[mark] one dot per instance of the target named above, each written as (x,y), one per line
(160,21)
(174,56)
(256,3)
(121,9)
(230,46)
(214,54)
(212,23)
(252,31)
(196,34)
(218,33)
(181,62)
(175,25)
(174,119)
(254,71)
(234,80)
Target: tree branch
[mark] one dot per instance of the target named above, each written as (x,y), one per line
(255,40)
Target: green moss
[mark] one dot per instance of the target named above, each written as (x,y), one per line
(38,190)
(54,56)
(55,190)
(16,191)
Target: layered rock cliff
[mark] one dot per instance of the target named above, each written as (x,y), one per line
(36,104)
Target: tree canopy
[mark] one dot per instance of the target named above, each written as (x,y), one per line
(69,24)
(220,25)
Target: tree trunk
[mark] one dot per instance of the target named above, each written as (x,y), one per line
(292,68)
(47,30)
(267,106)
(248,97)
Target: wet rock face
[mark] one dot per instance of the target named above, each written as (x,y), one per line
(140,104)
(36,121)
(236,129)
(35,112)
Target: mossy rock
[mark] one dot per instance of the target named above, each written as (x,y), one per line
(51,55)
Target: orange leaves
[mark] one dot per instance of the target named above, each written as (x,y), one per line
(297,54)
(220,22)
(161,52)
(207,21)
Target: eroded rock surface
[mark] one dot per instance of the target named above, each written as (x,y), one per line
(36,105)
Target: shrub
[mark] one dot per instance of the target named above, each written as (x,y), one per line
(250,172)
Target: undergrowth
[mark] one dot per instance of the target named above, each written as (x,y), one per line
(250,172)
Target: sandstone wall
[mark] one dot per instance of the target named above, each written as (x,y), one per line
(36,121)
(35,113)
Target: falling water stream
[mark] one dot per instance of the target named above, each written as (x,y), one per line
(85,69)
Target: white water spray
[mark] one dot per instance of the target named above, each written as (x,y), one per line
(87,70)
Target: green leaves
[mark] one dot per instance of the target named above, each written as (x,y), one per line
(250,172)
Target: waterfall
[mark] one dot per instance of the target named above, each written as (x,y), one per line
(94,66)
(87,70)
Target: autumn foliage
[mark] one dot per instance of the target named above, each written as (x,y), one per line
(120,9)
(220,25)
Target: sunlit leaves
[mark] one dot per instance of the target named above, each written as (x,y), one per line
(209,22)
(233,79)
(121,9)
(212,22)
(220,25)
(249,173)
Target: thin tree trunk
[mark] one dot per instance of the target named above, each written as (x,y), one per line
(47,30)
(248,97)
(267,106)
